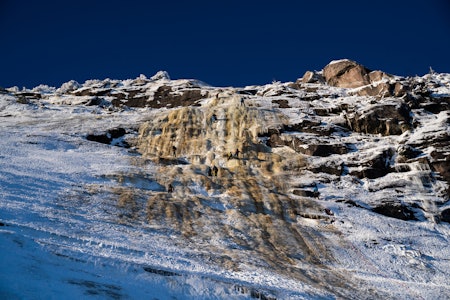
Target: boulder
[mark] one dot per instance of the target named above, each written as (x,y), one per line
(376,76)
(68,87)
(346,73)
(311,77)
(282,103)
(350,74)
(400,89)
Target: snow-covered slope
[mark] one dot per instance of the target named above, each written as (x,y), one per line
(108,189)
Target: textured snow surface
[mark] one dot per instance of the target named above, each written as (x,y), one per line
(64,234)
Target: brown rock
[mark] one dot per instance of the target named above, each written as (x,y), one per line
(400,89)
(375,76)
(349,74)
(346,73)
(379,90)
(441,163)
(312,77)
(389,119)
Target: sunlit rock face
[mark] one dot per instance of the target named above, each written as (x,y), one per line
(364,82)
(385,118)
(346,73)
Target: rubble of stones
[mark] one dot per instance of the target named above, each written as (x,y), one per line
(385,106)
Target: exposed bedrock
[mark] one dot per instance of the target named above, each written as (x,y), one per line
(385,119)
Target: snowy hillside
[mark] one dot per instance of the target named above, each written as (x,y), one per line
(333,186)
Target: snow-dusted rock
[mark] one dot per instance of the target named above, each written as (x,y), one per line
(314,190)
(312,77)
(69,86)
(364,82)
(391,118)
(346,73)
(160,75)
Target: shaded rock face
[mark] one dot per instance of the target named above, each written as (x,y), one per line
(395,210)
(376,167)
(388,119)
(164,96)
(333,167)
(441,165)
(445,215)
(111,137)
(323,150)
(407,152)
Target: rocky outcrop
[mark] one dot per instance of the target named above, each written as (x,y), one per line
(112,136)
(350,74)
(323,150)
(311,77)
(395,210)
(441,162)
(276,139)
(157,92)
(346,73)
(375,167)
(165,96)
(386,119)
(333,137)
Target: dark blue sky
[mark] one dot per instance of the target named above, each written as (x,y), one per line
(220,42)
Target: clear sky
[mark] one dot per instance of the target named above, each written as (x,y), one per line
(224,43)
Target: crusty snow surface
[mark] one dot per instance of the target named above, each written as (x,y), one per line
(61,239)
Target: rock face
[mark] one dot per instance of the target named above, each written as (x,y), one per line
(112,136)
(346,73)
(387,119)
(157,92)
(312,77)
(395,210)
(445,215)
(350,74)
(386,135)
(246,172)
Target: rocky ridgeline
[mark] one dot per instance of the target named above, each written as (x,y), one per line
(382,134)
